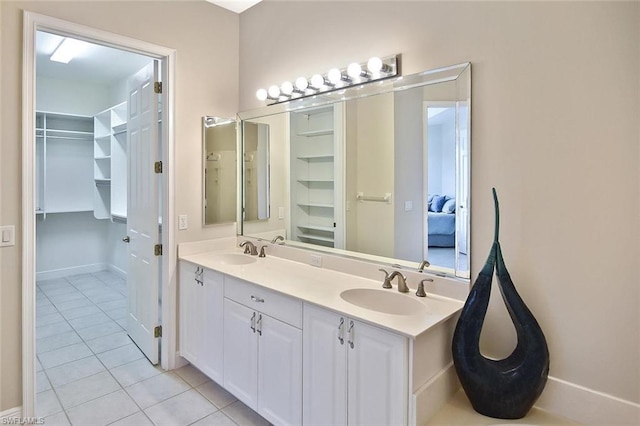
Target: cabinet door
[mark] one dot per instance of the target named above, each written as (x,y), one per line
(279,371)
(240,353)
(377,376)
(324,367)
(190,310)
(212,304)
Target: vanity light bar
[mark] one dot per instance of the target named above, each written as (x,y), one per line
(375,69)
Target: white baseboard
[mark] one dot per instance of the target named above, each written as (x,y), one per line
(119,272)
(64,272)
(11,413)
(587,406)
(433,395)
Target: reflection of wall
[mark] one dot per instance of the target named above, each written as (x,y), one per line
(441,155)
(279,174)
(408,165)
(373,175)
(221,174)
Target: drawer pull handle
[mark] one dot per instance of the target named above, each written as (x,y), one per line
(341,331)
(350,331)
(253,322)
(257,299)
(259,325)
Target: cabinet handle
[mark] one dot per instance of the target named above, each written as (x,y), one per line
(341,331)
(259,325)
(199,272)
(257,299)
(253,322)
(350,331)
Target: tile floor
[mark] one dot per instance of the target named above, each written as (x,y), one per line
(90,373)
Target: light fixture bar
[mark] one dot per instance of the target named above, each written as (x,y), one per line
(375,69)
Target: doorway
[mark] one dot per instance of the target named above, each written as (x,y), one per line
(67,206)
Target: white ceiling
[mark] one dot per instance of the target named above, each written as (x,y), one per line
(237,6)
(98,64)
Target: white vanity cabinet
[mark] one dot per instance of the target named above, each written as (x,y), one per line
(354,373)
(201,316)
(263,351)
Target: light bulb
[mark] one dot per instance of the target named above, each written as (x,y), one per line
(374,65)
(274,92)
(286,88)
(334,75)
(261,94)
(317,81)
(354,70)
(301,83)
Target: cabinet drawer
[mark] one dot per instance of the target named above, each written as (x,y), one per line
(276,305)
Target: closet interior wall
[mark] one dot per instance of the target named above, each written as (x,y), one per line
(70,242)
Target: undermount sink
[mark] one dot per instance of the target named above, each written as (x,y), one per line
(385,301)
(235,258)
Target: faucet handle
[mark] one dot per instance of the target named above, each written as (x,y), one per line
(247,250)
(421,292)
(387,281)
(262,254)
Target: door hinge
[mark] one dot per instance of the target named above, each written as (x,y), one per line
(157,331)
(157,87)
(157,249)
(157,167)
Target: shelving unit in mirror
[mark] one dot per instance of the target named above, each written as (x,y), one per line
(316,147)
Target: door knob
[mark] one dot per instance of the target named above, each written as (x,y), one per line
(126,239)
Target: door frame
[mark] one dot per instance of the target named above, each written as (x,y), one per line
(33,22)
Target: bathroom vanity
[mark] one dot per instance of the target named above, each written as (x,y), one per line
(301,344)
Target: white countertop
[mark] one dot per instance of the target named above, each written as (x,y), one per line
(322,287)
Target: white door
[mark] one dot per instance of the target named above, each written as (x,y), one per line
(241,353)
(279,371)
(143,277)
(324,367)
(377,376)
(462,192)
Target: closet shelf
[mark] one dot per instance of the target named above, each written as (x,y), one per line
(317,228)
(319,205)
(103,157)
(316,238)
(328,157)
(312,133)
(103,182)
(315,180)
(120,128)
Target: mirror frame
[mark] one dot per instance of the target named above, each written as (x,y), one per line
(216,121)
(425,78)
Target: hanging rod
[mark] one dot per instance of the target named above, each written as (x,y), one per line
(385,199)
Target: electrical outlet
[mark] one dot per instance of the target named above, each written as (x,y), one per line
(183,222)
(408,206)
(315,260)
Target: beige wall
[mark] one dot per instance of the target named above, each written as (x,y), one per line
(555,130)
(206,40)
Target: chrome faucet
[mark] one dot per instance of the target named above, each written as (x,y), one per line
(249,248)
(402,281)
(278,238)
(423,264)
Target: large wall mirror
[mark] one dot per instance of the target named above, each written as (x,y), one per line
(220,170)
(380,172)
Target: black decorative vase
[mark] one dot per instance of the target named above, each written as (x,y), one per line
(506,388)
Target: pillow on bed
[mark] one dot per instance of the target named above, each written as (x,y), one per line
(437,203)
(449,206)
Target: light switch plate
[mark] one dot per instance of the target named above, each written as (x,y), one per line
(183,222)
(7,236)
(408,206)
(280,212)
